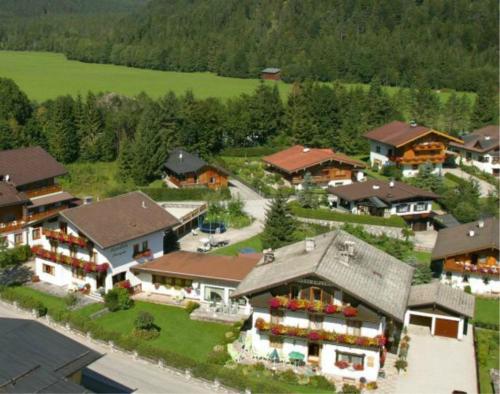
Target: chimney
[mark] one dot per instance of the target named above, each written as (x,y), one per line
(180,156)
(305,150)
(144,204)
(376,187)
(268,256)
(310,244)
(480,224)
(88,200)
(391,183)
(413,123)
(349,248)
(471,233)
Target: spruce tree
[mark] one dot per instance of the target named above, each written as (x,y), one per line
(485,111)
(125,160)
(62,140)
(280,225)
(306,196)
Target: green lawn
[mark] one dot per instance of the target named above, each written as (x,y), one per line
(51,302)
(487,355)
(422,257)
(178,334)
(44,75)
(487,310)
(233,250)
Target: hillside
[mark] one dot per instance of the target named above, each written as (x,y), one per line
(444,44)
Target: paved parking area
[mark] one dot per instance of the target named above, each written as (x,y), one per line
(438,365)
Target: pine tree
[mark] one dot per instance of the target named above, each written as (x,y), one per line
(306,196)
(91,128)
(485,111)
(379,105)
(14,104)
(62,139)
(125,160)
(280,225)
(425,106)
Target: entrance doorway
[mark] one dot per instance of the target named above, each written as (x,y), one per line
(101,279)
(313,353)
(119,277)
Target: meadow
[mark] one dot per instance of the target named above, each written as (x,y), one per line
(44,75)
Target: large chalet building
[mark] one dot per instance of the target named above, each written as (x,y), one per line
(341,303)
(468,255)
(96,244)
(481,149)
(29,194)
(184,169)
(408,146)
(327,168)
(386,198)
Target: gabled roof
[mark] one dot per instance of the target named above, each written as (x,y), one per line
(482,140)
(298,158)
(370,275)
(28,165)
(457,240)
(37,359)
(199,265)
(119,219)
(271,70)
(382,190)
(398,133)
(182,162)
(439,294)
(10,196)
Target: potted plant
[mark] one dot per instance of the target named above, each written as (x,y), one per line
(401,365)
(358,367)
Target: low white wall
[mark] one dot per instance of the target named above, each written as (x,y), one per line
(475,282)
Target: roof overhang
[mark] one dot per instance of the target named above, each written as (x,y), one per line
(430,131)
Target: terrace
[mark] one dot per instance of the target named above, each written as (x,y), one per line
(18,224)
(87,266)
(41,191)
(465,265)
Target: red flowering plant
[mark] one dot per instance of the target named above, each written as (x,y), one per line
(277,329)
(350,311)
(260,324)
(294,305)
(362,341)
(89,267)
(342,364)
(315,306)
(330,308)
(314,336)
(102,267)
(381,340)
(358,367)
(75,263)
(274,303)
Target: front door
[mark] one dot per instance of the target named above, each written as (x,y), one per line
(101,279)
(313,353)
(119,277)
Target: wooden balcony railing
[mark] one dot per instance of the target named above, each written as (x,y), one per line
(466,266)
(429,146)
(87,266)
(43,190)
(65,238)
(18,224)
(420,159)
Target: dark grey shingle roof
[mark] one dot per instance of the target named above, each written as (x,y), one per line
(447,220)
(371,275)
(182,162)
(437,293)
(271,70)
(39,358)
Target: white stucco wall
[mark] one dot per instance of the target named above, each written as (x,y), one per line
(486,165)
(383,156)
(476,283)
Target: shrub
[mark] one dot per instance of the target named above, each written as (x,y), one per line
(468,289)
(23,300)
(288,376)
(194,193)
(117,299)
(321,382)
(144,321)
(191,306)
(372,386)
(218,357)
(41,309)
(392,172)
(350,389)
(401,364)
(146,334)
(71,299)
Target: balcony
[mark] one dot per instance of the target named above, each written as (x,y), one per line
(490,268)
(87,266)
(43,191)
(18,224)
(65,238)
(316,307)
(419,159)
(429,146)
(319,336)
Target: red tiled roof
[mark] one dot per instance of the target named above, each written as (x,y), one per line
(199,265)
(298,158)
(399,133)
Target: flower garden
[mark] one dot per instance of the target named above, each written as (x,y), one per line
(319,335)
(60,258)
(293,304)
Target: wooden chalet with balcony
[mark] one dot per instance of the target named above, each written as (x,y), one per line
(29,194)
(327,168)
(408,146)
(184,169)
(468,255)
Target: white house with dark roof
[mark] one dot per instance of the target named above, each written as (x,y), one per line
(96,244)
(334,301)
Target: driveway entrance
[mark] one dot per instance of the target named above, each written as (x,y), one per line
(438,365)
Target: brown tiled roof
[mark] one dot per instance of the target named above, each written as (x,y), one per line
(482,140)
(199,265)
(51,199)
(399,133)
(119,219)
(27,165)
(10,196)
(297,158)
(380,189)
(456,240)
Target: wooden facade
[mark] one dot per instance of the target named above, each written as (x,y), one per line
(481,262)
(322,173)
(208,176)
(271,76)
(429,148)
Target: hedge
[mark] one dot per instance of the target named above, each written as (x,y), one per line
(488,326)
(472,170)
(326,214)
(24,301)
(195,193)
(254,151)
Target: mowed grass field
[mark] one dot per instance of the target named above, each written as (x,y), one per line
(44,75)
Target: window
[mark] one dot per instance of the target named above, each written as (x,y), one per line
(275,342)
(465,279)
(414,167)
(53,245)
(401,208)
(486,280)
(468,155)
(277,316)
(78,273)
(294,291)
(353,327)
(315,322)
(35,233)
(420,206)
(212,179)
(48,269)
(377,149)
(145,245)
(18,238)
(389,152)
(213,294)
(63,227)
(351,358)
(72,250)
(315,294)
(136,249)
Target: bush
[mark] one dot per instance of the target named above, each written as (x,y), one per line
(17,255)
(350,389)
(401,364)
(218,356)
(144,321)
(468,289)
(191,306)
(288,376)
(372,386)
(392,172)
(321,382)
(146,335)
(71,299)
(24,301)
(117,299)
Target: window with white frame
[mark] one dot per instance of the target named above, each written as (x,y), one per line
(420,206)
(402,208)
(213,294)
(351,358)
(353,327)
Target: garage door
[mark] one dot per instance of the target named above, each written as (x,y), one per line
(446,328)
(418,320)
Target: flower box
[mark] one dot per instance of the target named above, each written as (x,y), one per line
(358,367)
(87,266)
(342,364)
(144,253)
(282,302)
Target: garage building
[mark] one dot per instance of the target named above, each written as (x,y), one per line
(445,311)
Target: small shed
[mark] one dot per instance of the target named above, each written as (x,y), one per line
(271,73)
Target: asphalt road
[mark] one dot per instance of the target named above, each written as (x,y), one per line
(137,375)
